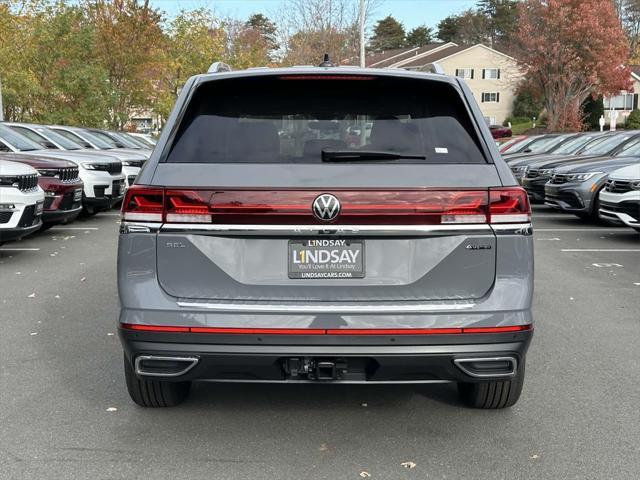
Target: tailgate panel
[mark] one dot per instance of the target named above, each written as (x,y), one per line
(404,269)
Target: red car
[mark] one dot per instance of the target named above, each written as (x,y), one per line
(498,131)
(61,184)
(504,147)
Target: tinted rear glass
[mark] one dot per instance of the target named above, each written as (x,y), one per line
(607,144)
(292,119)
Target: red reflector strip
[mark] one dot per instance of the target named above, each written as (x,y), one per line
(515,328)
(334,331)
(325,77)
(400,331)
(154,328)
(259,331)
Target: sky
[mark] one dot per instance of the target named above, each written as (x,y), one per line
(410,12)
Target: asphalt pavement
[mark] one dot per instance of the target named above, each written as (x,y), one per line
(65,412)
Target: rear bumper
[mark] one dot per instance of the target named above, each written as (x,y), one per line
(366,358)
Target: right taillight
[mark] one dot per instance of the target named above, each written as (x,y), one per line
(509,205)
(143,204)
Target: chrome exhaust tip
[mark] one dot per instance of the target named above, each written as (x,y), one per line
(163,366)
(488,367)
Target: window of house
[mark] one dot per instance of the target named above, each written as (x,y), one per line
(490,97)
(623,101)
(464,73)
(491,73)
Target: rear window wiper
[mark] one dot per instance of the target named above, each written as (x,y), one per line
(333,155)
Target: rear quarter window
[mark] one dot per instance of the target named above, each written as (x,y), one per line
(291,119)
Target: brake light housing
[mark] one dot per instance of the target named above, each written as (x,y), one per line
(358,207)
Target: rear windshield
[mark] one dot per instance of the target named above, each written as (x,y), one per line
(545,144)
(520,146)
(575,144)
(606,145)
(293,119)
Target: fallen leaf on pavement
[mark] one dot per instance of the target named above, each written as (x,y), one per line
(364,474)
(112,409)
(408,464)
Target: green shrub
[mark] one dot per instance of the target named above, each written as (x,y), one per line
(515,121)
(527,105)
(633,120)
(593,109)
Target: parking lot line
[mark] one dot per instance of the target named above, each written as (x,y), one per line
(600,250)
(73,228)
(19,249)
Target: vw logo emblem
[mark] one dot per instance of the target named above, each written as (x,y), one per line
(326,207)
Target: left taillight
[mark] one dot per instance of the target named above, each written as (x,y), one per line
(143,204)
(509,205)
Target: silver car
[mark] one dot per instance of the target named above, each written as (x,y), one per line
(264,242)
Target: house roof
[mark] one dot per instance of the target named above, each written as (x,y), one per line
(635,71)
(389,57)
(432,52)
(436,56)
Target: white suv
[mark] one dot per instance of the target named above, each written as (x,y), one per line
(21,201)
(104,182)
(620,198)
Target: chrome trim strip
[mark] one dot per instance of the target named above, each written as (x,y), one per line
(193,361)
(138,227)
(459,362)
(512,228)
(290,230)
(342,382)
(327,308)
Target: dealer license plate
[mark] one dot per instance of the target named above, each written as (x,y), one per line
(326,258)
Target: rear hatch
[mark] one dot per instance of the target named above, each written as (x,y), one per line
(325,188)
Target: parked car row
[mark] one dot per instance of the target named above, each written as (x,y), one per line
(594,175)
(50,174)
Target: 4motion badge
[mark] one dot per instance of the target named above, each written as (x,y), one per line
(478,247)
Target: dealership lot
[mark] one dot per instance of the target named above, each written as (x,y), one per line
(66,414)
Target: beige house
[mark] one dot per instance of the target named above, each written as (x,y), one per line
(492,75)
(622,104)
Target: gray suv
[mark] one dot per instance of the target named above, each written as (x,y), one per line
(325,224)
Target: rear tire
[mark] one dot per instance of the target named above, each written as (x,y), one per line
(493,395)
(154,393)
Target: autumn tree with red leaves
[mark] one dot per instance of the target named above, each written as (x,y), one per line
(570,50)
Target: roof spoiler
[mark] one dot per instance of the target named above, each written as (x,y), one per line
(433,68)
(217,67)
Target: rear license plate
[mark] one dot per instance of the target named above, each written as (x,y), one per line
(326,258)
(77,195)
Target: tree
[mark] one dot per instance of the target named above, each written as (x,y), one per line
(193,40)
(387,35)
(448,28)
(630,13)
(501,18)
(419,36)
(129,44)
(569,60)
(468,27)
(311,28)
(267,30)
